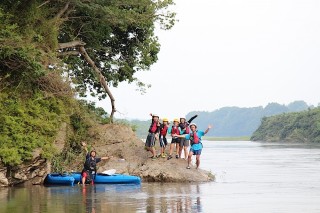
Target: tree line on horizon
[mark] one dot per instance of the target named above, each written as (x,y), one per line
(300,127)
(232,121)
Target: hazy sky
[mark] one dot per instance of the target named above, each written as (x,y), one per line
(221,53)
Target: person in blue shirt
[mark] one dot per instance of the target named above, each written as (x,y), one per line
(196,146)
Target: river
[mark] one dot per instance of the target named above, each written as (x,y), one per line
(250,177)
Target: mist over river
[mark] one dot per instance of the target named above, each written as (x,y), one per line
(250,177)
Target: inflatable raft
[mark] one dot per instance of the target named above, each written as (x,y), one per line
(59,179)
(101,178)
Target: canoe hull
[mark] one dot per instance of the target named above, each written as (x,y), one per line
(110,179)
(59,179)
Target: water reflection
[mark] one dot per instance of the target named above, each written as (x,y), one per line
(148,197)
(88,198)
(172,197)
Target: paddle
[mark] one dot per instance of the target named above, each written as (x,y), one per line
(109,172)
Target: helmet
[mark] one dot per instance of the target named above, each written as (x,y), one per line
(165,120)
(176,120)
(193,124)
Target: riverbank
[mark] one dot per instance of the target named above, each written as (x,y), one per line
(130,157)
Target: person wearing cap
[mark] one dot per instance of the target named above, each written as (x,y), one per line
(162,136)
(184,129)
(90,165)
(153,135)
(175,142)
(196,146)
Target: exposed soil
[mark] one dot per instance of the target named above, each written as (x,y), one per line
(130,157)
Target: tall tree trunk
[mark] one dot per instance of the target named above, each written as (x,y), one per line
(101,79)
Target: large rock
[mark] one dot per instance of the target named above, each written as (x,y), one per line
(129,157)
(31,172)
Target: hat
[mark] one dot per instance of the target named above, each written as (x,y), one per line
(165,120)
(155,115)
(193,124)
(176,120)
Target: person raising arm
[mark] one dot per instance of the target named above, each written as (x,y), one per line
(196,145)
(90,165)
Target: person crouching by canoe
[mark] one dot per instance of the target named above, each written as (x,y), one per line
(162,137)
(196,146)
(153,135)
(90,165)
(175,140)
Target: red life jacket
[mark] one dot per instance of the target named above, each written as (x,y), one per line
(163,130)
(184,126)
(175,130)
(194,138)
(153,127)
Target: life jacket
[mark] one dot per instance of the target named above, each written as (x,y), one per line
(175,130)
(90,164)
(184,126)
(194,138)
(153,127)
(163,130)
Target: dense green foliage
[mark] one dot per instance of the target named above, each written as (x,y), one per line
(117,34)
(40,57)
(294,127)
(27,124)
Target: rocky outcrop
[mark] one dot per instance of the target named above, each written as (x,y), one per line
(32,172)
(129,157)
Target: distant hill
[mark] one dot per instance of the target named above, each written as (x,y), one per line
(292,127)
(231,121)
(237,121)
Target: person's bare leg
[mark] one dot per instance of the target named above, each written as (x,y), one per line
(153,151)
(83,181)
(177,149)
(171,148)
(197,161)
(189,159)
(180,151)
(185,152)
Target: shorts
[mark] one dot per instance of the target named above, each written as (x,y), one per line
(184,142)
(175,140)
(196,152)
(151,138)
(163,141)
(88,177)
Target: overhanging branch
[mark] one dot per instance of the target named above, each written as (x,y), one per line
(101,79)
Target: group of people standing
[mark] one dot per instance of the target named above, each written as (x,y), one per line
(183,134)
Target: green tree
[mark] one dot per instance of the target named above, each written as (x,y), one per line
(113,38)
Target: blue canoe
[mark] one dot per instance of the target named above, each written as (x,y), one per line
(101,178)
(59,179)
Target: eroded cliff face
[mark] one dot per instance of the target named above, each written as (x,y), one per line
(129,157)
(32,172)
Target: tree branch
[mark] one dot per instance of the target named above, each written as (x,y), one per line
(71,44)
(63,10)
(101,79)
(67,53)
(44,3)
